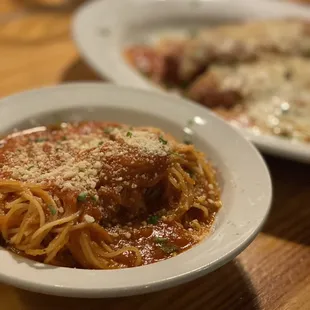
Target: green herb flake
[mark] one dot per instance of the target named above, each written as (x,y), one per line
(82,197)
(94,198)
(162,140)
(160,240)
(165,245)
(100,143)
(30,167)
(38,140)
(52,209)
(107,130)
(129,134)
(63,138)
(169,248)
(153,219)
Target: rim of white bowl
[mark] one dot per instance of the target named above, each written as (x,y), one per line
(233,235)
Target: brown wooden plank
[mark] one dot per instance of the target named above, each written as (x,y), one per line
(273,273)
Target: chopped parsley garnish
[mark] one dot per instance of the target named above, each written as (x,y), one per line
(100,143)
(40,140)
(129,134)
(30,167)
(107,130)
(160,240)
(169,248)
(153,219)
(165,245)
(63,138)
(94,198)
(52,209)
(162,140)
(82,197)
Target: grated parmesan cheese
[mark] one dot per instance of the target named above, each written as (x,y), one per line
(77,161)
(128,235)
(89,219)
(147,141)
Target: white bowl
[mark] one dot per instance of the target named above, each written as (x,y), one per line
(244,179)
(102,29)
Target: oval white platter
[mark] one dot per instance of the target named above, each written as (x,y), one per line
(102,29)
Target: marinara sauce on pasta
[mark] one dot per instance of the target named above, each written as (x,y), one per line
(101,195)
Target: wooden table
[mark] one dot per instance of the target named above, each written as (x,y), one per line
(272,273)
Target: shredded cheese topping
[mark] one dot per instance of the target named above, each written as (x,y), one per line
(76,161)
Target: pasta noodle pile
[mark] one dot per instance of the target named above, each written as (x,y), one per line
(169,211)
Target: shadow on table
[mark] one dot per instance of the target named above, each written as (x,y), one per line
(226,288)
(79,71)
(290,213)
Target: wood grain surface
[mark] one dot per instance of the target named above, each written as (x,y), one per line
(272,273)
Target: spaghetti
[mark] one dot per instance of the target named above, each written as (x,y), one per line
(103,196)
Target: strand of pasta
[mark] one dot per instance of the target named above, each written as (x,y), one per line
(202,208)
(37,205)
(14,209)
(32,244)
(119,252)
(30,226)
(23,226)
(46,198)
(53,245)
(186,197)
(56,223)
(75,227)
(88,253)
(9,205)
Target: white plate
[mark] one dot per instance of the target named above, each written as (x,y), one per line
(102,29)
(245,183)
